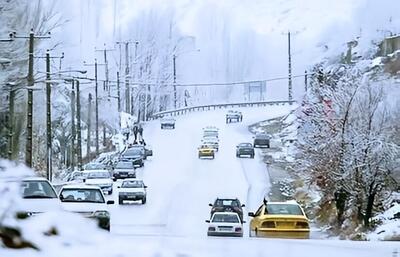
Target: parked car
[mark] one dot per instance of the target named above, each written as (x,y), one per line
(227,205)
(134,155)
(95,166)
(280,220)
(167,122)
(225,224)
(145,149)
(245,149)
(124,169)
(88,201)
(100,178)
(132,190)
(261,140)
(206,151)
(77,176)
(38,196)
(233,115)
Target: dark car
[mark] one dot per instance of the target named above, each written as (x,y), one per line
(233,115)
(227,205)
(245,149)
(124,169)
(262,140)
(167,123)
(134,155)
(146,152)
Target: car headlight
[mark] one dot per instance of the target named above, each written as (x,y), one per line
(101,214)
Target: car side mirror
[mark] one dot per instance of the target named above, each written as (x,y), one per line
(207,221)
(251,214)
(243,205)
(110,202)
(145,186)
(210,204)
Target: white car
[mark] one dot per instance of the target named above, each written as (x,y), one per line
(88,201)
(225,224)
(132,190)
(38,196)
(100,178)
(211,141)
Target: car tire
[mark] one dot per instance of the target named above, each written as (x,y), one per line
(213,156)
(256,232)
(143,200)
(252,156)
(120,201)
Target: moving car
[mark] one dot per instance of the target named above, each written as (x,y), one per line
(38,196)
(124,169)
(88,201)
(134,155)
(280,220)
(168,122)
(227,205)
(245,149)
(146,151)
(211,129)
(225,224)
(206,150)
(233,115)
(262,139)
(100,178)
(211,141)
(132,190)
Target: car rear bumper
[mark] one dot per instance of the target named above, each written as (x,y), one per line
(123,175)
(289,234)
(230,234)
(131,197)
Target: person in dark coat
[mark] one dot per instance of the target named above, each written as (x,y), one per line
(135,132)
(140,130)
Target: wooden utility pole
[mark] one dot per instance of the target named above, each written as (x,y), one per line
(175,93)
(79,129)
(48,119)
(118,93)
(89,126)
(73,131)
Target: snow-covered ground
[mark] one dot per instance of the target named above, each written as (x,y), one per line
(180,186)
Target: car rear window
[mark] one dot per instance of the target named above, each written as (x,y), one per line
(284,209)
(226,218)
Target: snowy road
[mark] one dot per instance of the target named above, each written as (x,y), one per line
(180,187)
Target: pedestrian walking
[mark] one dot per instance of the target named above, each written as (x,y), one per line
(140,130)
(135,132)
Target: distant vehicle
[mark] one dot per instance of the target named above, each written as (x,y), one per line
(227,205)
(88,201)
(261,140)
(124,170)
(210,131)
(206,151)
(167,122)
(77,176)
(225,224)
(38,196)
(132,190)
(280,220)
(211,141)
(95,166)
(233,115)
(245,149)
(100,178)
(134,155)
(146,151)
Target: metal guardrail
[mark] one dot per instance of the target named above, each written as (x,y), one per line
(209,107)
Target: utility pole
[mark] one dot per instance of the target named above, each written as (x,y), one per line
(79,129)
(305,81)
(290,89)
(127,89)
(89,126)
(175,93)
(96,102)
(11,123)
(73,131)
(31,82)
(118,93)
(48,119)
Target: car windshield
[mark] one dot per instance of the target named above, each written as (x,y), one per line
(37,189)
(245,145)
(124,165)
(82,195)
(227,202)
(132,184)
(133,152)
(262,136)
(95,166)
(284,209)
(93,175)
(168,120)
(225,218)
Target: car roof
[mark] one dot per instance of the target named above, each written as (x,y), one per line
(80,186)
(226,212)
(34,179)
(245,143)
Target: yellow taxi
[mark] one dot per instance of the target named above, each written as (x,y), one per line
(206,150)
(280,220)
